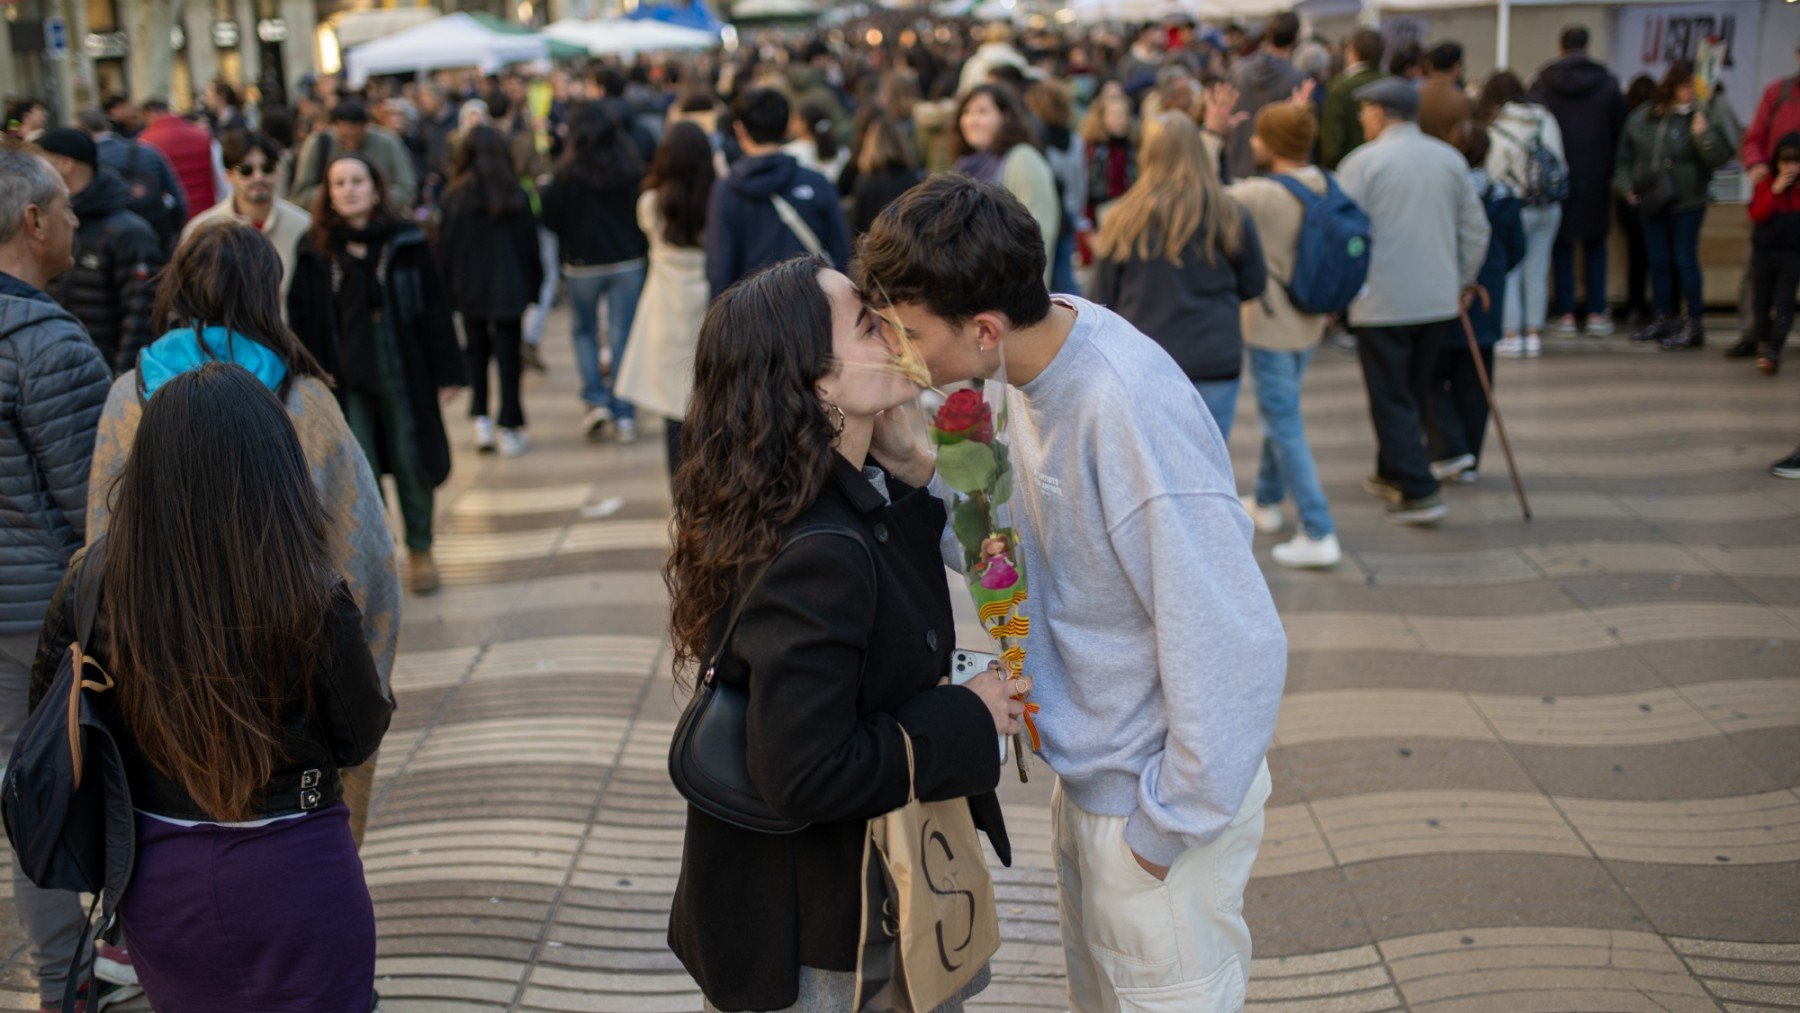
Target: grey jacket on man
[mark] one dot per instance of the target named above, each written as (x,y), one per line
(1428,232)
(53,382)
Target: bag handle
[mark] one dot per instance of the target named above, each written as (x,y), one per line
(797,225)
(912,774)
(87,596)
(737,612)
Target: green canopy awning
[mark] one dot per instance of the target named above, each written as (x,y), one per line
(559,50)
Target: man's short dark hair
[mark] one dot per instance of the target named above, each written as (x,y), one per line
(1574,38)
(610,81)
(239,144)
(225,91)
(763,113)
(154,106)
(960,247)
(349,111)
(1444,56)
(114,101)
(1283,30)
(1368,45)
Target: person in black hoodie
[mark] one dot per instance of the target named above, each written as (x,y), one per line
(591,206)
(369,303)
(746,226)
(1587,103)
(487,242)
(117,254)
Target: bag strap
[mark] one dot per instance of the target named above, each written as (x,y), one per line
(912,773)
(87,597)
(797,225)
(737,612)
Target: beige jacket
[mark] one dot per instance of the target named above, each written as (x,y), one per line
(657,372)
(1271,322)
(286,224)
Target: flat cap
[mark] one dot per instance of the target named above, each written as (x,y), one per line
(1394,94)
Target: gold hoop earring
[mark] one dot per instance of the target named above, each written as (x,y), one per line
(837,417)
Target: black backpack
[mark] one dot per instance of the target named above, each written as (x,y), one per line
(65,799)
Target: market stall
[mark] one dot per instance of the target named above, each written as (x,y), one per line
(628,36)
(454,40)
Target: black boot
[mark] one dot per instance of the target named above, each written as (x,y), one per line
(1744,349)
(1686,337)
(1657,329)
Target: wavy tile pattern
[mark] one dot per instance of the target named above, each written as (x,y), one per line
(1519,767)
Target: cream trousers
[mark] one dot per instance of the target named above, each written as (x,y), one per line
(1136,945)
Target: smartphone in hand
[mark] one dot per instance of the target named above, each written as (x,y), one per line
(966,665)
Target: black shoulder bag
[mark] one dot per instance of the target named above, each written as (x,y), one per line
(709,757)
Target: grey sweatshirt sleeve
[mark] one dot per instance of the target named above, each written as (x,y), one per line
(1222,657)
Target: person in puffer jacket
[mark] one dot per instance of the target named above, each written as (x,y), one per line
(52,384)
(117,254)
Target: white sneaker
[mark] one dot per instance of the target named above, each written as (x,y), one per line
(594,423)
(1441,470)
(1268,518)
(1306,552)
(1469,477)
(626,430)
(512,442)
(1599,326)
(484,435)
(1510,347)
(1534,346)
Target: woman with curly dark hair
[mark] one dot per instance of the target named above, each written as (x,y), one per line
(842,643)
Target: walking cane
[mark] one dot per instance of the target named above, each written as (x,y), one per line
(1487,391)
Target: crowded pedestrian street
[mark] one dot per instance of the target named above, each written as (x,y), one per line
(1518,765)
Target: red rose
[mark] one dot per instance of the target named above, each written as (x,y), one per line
(966,414)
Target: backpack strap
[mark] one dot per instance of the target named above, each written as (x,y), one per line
(797,225)
(87,596)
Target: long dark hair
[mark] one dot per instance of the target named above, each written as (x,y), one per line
(218,584)
(1502,87)
(820,129)
(1013,131)
(229,275)
(682,178)
(325,217)
(756,446)
(601,154)
(481,172)
(1680,72)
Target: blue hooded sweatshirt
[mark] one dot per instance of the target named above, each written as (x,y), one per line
(180,350)
(744,232)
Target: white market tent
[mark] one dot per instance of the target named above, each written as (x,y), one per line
(454,40)
(625,37)
(353,28)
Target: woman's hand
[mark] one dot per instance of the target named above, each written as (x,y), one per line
(1698,124)
(998,694)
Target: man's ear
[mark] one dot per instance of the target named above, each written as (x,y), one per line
(35,221)
(990,327)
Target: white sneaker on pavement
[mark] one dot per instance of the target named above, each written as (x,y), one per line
(1534,346)
(512,442)
(1441,470)
(594,423)
(626,430)
(484,435)
(1306,552)
(1268,518)
(1510,347)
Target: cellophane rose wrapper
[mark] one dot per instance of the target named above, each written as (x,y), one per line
(969,431)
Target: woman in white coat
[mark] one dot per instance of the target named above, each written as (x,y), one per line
(657,373)
(1524,141)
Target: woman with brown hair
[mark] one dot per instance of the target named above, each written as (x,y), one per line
(369,304)
(246,892)
(993,144)
(1049,102)
(842,642)
(1665,163)
(1178,258)
(1520,132)
(885,169)
(1110,132)
(220,300)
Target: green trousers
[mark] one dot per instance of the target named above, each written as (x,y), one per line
(382,423)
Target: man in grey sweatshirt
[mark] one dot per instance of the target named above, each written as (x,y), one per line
(1156,652)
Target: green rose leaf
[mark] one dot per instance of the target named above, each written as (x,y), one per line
(970,523)
(968,467)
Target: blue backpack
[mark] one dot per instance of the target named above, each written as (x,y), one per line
(1331,262)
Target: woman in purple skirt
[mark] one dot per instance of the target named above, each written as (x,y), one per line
(243,682)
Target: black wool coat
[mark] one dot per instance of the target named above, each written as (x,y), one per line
(1589,107)
(492,266)
(837,660)
(417,311)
